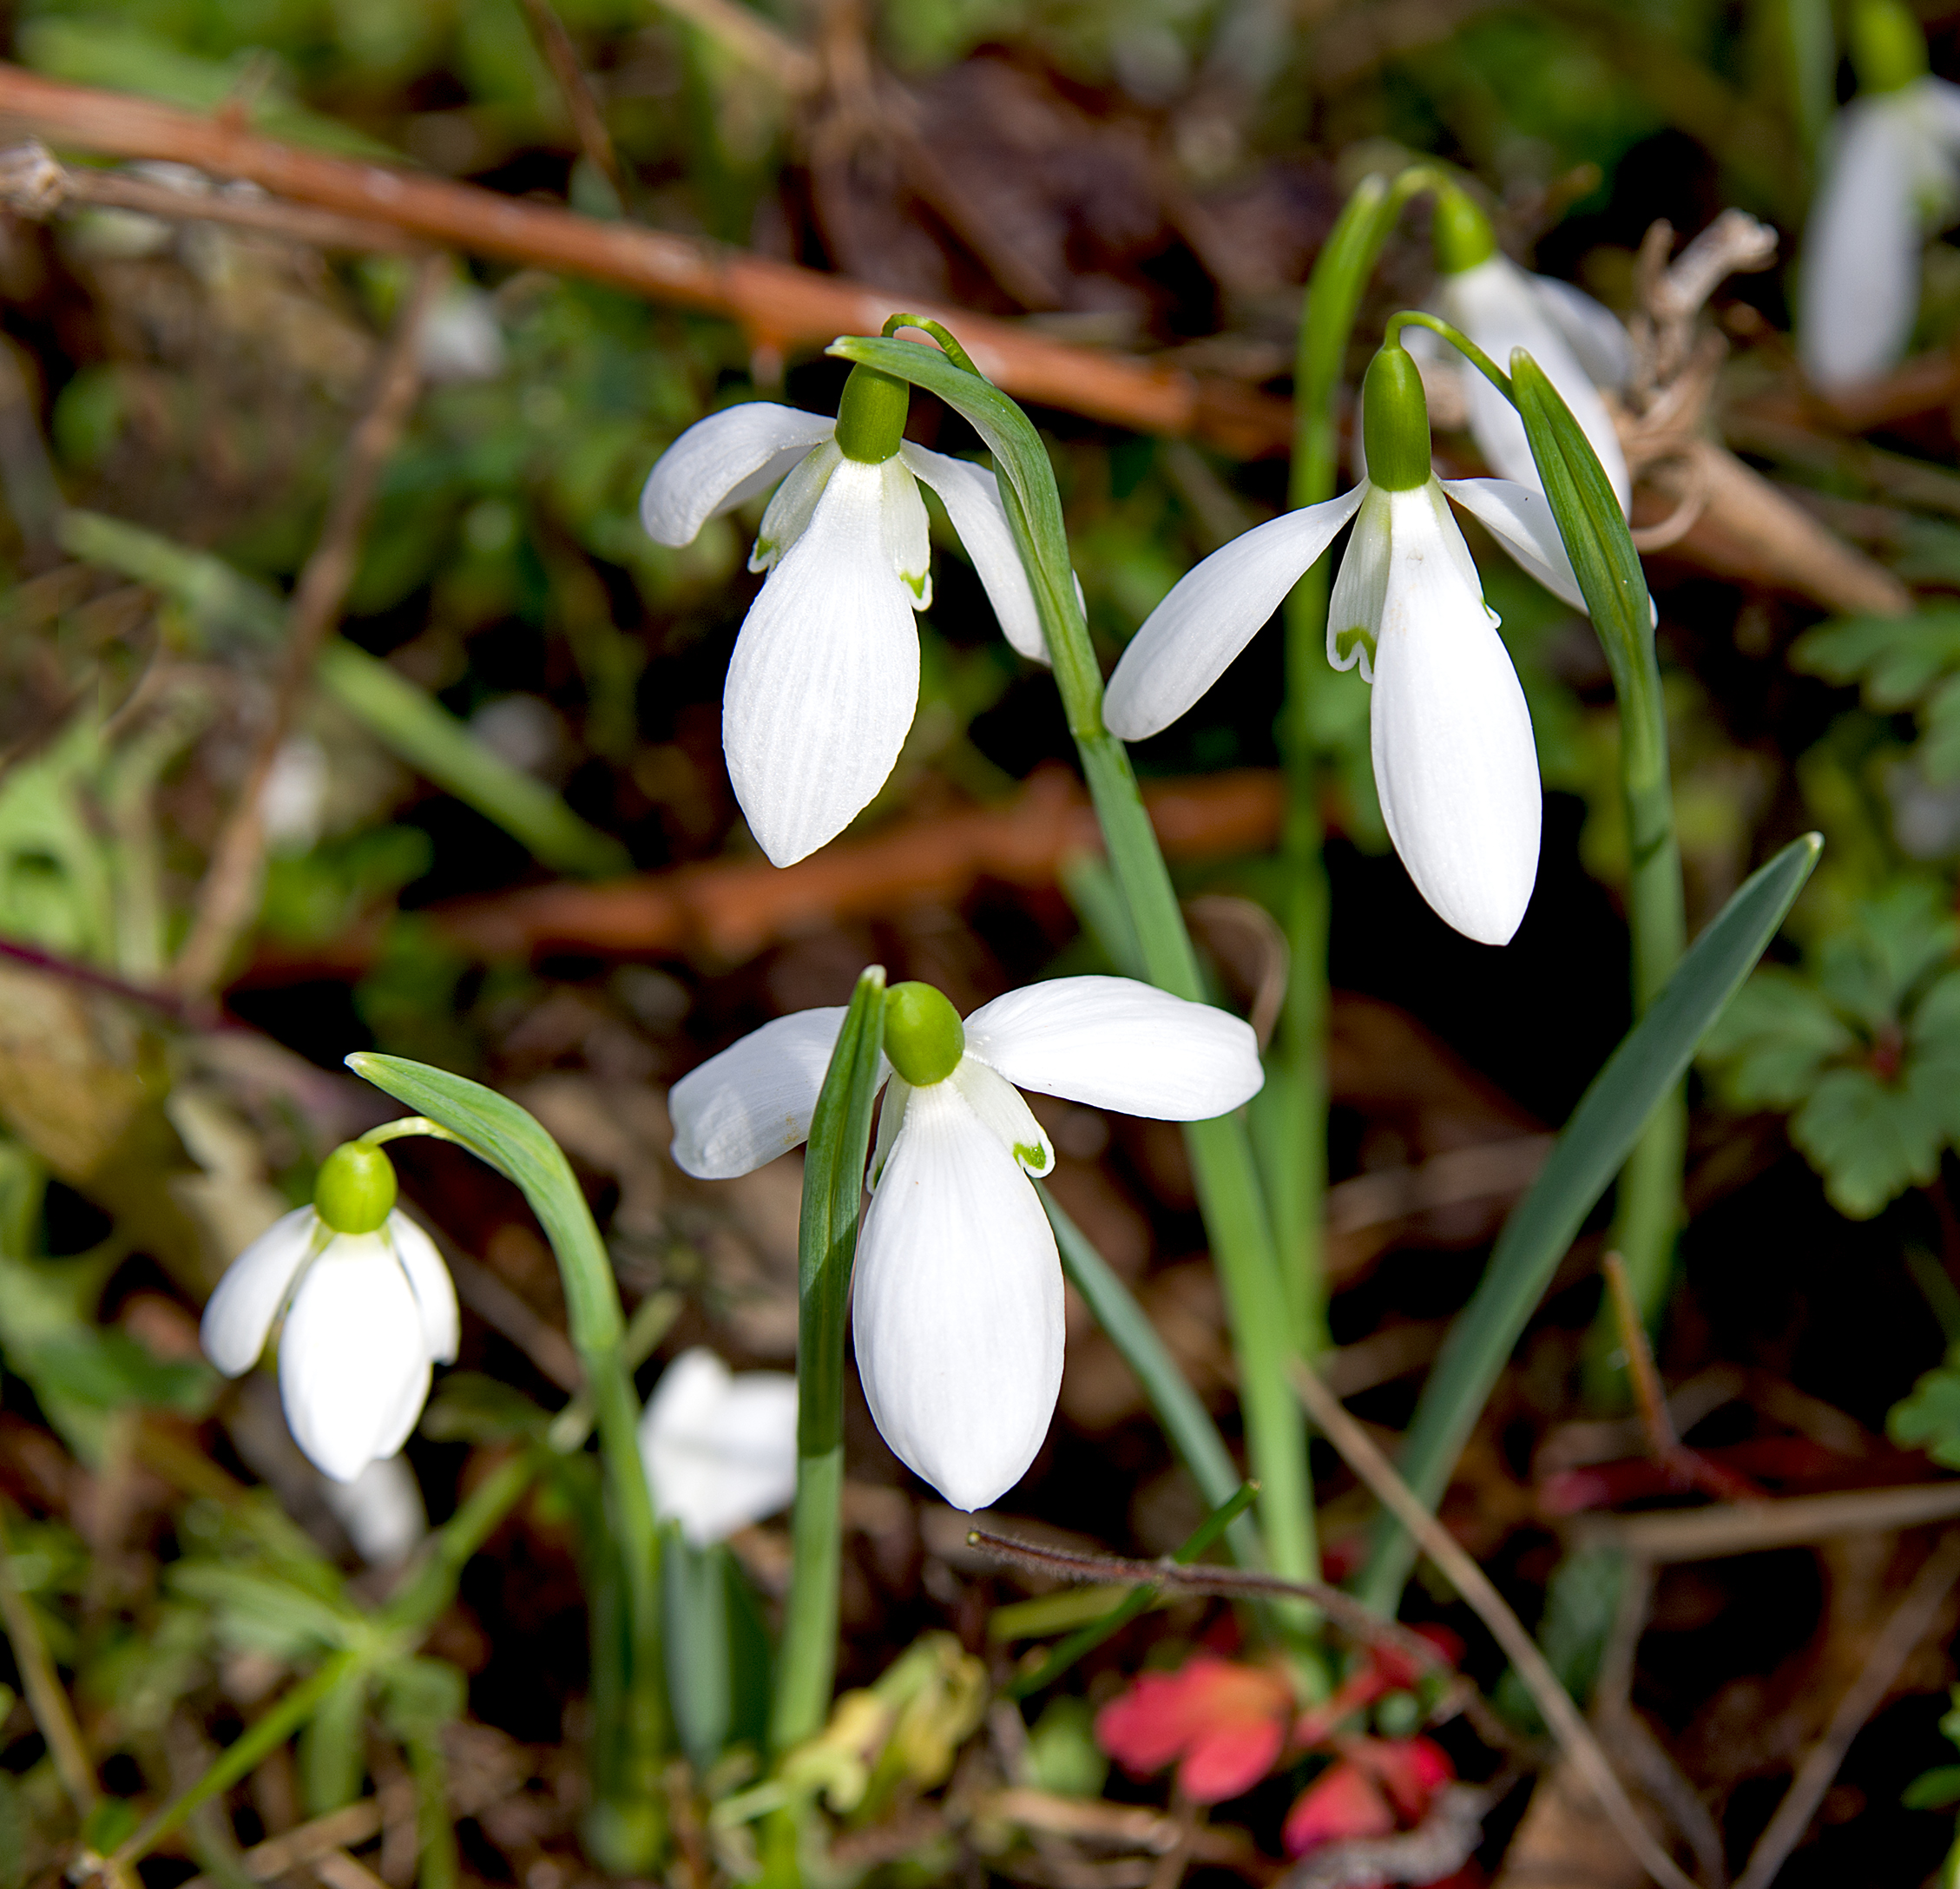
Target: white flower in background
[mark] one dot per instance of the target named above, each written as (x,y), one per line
(293,808)
(381,1510)
(1891,174)
(824,682)
(461,338)
(1580,346)
(1454,762)
(368,1307)
(957,1301)
(720,1448)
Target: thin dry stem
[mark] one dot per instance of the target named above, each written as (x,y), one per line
(230,890)
(1359,1624)
(589,122)
(1911,1621)
(34,184)
(1747,1528)
(1575,1736)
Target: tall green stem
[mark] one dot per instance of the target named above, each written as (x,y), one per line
(627,1828)
(1221,1158)
(1291,1115)
(833,1172)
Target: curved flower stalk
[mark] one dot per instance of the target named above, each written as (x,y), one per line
(956,1303)
(824,682)
(1581,346)
(367,1308)
(721,1449)
(1891,174)
(1450,734)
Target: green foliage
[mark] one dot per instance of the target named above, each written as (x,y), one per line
(1582,1600)
(1899,663)
(1929,1419)
(1862,1049)
(1062,1754)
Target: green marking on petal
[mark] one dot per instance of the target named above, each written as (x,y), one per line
(1347,641)
(1033,1159)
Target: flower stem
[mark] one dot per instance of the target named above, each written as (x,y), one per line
(513,1142)
(833,1175)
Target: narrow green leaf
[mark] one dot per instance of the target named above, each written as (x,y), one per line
(1650,1060)
(1184,1418)
(514,1142)
(833,1184)
(1596,538)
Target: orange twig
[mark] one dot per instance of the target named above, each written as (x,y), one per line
(731,911)
(777,304)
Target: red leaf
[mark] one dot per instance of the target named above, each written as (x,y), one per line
(1411,1770)
(1226,1722)
(1342,1803)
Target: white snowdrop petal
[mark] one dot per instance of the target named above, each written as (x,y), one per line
(753,1101)
(971,497)
(1596,336)
(1454,762)
(1213,612)
(428,1279)
(1859,271)
(1494,305)
(1355,603)
(1000,1106)
(720,1448)
(721,462)
(890,1119)
(240,1312)
(824,682)
(381,1510)
(1520,519)
(957,1305)
(908,531)
(353,1357)
(1115,1043)
(787,515)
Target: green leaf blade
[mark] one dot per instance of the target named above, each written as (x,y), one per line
(1650,1060)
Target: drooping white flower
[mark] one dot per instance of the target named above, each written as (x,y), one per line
(381,1510)
(367,1305)
(1454,762)
(1891,174)
(822,687)
(721,1449)
(1580,346)
(956,1303)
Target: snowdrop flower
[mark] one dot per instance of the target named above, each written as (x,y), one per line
(956,1303)
(720,1449)
(1454,762)
(1890,174)
(368,1307)
(381,1510)
(1580,345)
(825,678)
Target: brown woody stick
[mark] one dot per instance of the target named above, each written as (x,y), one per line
(229,893)
(731,909)
(1575,1736)
(777,304)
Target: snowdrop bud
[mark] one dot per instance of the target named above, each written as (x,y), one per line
(1395,422)
(355,1190)
(870,417)
(1888,46)
(924,1040)
(1461,232)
